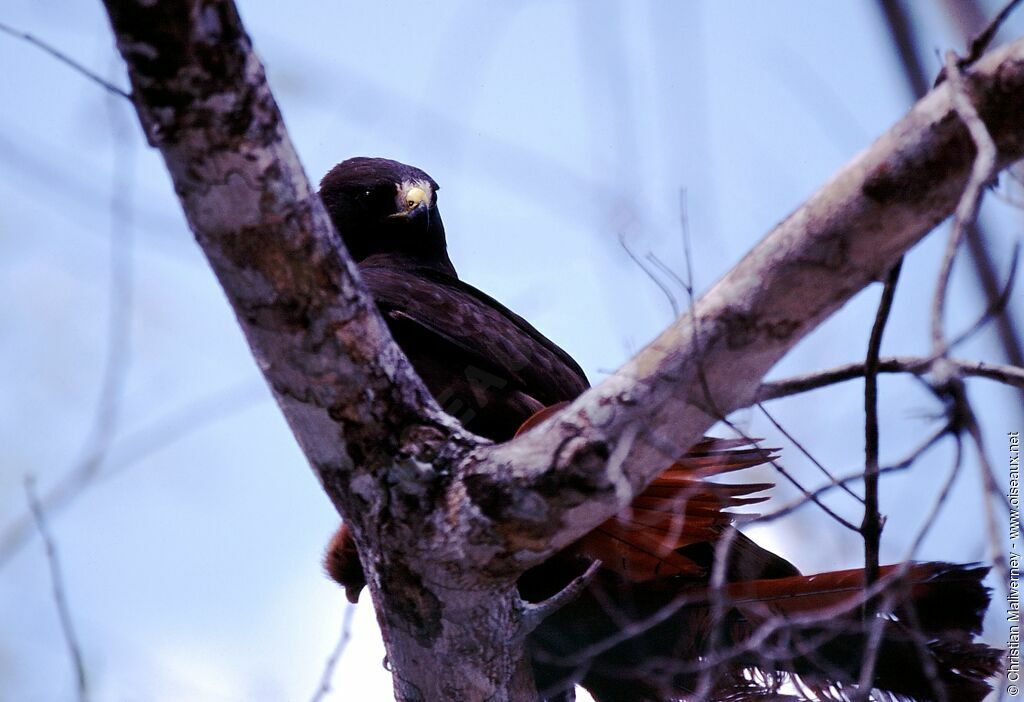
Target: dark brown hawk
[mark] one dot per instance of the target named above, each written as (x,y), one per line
(642,630)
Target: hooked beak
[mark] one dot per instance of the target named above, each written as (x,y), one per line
(413,203)
(420,209)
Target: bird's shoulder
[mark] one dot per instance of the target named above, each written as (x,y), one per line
(475,324)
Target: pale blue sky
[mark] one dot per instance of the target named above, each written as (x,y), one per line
(193,569)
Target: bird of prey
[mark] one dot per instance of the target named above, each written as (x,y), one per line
(648,626)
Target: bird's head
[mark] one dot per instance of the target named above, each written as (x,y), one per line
(381,206)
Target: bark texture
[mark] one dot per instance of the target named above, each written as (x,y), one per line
(445,522)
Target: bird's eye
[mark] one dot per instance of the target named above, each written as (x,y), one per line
(367,193)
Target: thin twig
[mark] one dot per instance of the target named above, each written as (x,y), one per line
(872,524)
(967,209)
(913,365)
(898,20)
(719,604)
(117,359)
(137,446)
(981,42)
(944,493)
(997,301)
(66,60)
(852,477)
(969,17)
(990,485)
(858,596)
(800,447)
(807,494)
(865,683)
(59,592)
(672,301)
(339,649)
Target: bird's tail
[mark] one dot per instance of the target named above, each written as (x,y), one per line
(918,638)
(648,627)
(798,637)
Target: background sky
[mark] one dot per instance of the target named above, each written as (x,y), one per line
(192,562)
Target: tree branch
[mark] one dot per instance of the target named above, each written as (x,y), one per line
(59,594)
(914,365)
(846,236)
(873,522)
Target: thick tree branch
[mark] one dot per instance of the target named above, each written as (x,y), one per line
(349,394)
(846,236)
(378,441)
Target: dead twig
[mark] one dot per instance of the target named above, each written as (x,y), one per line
(981,42)
(65,59)
(873,523)
(969,18)
(339,649)
(913,365)
(132,449)
(669,295)
(59,591)
(966,210)
(852,477)
(800,447)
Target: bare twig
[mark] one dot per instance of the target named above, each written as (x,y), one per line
(339,649)
(137,446)
(858,596)
(970,18)
(867,670)
(947,488)
(66,60)
(899,23)
(981,42)
(966,210)
(852,477)
(997,301)
(59,592)
(913,365)
(872,524)
(807,494)
(669,295)
(800,447)
(118,347)
(993,495)
(719,608)
(535,612)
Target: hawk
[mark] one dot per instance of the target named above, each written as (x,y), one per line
(648,626)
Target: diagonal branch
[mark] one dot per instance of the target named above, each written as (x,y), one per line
(348,393)
(845,237)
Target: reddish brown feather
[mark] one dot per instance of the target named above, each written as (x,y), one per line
(678,508)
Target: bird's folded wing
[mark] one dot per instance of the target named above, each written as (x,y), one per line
(464,326)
